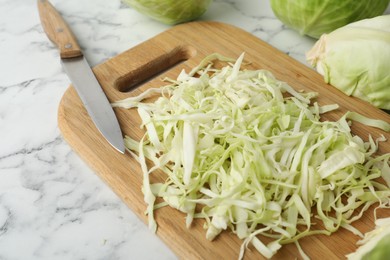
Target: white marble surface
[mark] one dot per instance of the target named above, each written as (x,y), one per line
(52,205)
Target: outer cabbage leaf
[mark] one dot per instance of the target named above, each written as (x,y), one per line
(375,244)
(356,60)
(170,11)
(316,17)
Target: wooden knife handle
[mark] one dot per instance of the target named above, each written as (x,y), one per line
(58,31)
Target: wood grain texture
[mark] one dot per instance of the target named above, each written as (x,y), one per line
(58,31)
(186,45)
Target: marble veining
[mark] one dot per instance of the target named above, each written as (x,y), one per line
(52,205)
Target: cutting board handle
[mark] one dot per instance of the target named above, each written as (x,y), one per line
(145,61)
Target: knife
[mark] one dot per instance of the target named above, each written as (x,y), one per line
(81,75)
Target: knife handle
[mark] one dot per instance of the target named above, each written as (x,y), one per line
(58,31)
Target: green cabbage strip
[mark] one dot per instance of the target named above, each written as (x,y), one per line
(253,155)
(375,243)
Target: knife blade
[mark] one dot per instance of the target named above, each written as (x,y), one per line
(81,75)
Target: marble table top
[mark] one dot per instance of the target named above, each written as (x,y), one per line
(52,205)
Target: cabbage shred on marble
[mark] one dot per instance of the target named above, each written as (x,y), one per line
(253,154)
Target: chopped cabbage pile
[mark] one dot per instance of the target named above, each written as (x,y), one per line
(248,153)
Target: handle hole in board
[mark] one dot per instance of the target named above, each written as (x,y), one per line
(156,67)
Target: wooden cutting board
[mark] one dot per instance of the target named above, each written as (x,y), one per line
(183,47)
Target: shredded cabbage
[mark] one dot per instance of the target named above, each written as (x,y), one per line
(252,155)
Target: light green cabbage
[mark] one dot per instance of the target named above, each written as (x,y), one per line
(376,244)
(316,17)
(356,60)
(249,154)
(170,11)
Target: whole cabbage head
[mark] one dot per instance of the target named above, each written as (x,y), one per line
(170,11)
(316,17)
(356,60)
